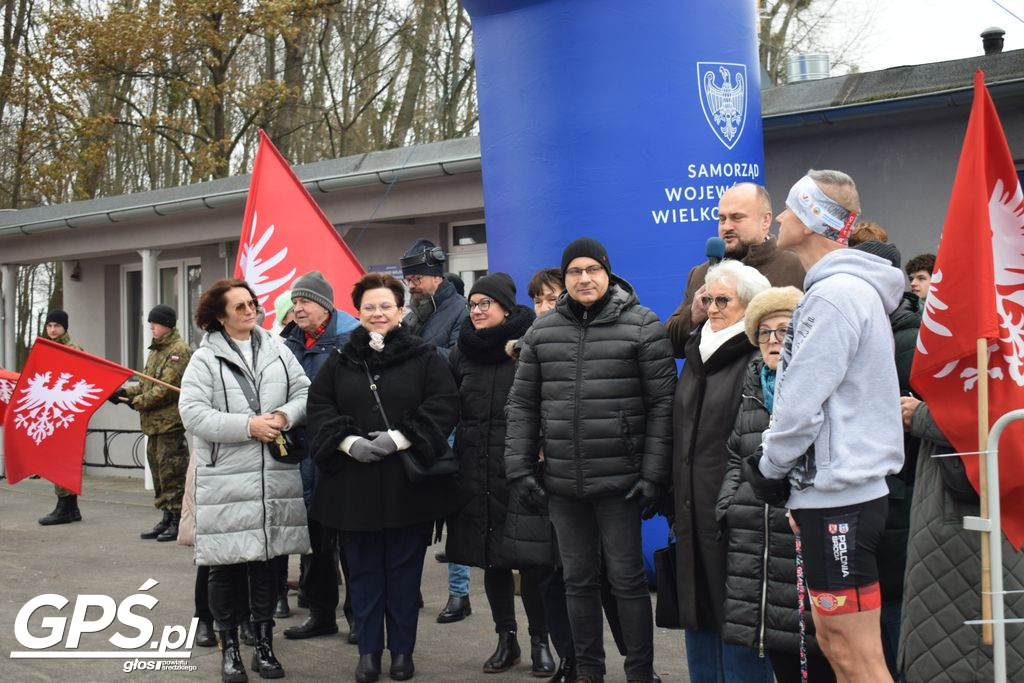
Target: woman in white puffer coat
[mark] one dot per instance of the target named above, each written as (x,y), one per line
(248,506)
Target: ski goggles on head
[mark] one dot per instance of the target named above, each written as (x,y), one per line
(819,212)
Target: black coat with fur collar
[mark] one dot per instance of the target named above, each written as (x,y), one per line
(421,401)
(483,373)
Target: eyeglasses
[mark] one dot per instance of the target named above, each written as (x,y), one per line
(589,270)
(764,334)
(413,280)
(252,303)
(384,308)
(721,301)
(484,305)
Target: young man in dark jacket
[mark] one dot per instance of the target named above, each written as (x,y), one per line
(596,378)
(318,328)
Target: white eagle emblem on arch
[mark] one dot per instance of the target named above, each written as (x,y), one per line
(724,104)
(42,408)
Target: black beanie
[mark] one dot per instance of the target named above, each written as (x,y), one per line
(498,286)
(423,258)
(886,250)
(58,316)
(162,314)
(585,246)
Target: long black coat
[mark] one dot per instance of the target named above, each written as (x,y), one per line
(483,373)
(420,400)
(707,399)
(599,394)
(760,588)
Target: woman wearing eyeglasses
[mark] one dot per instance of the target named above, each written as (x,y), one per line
(239,392)
(484,373)
(383,393)
(761,605)
(707,398)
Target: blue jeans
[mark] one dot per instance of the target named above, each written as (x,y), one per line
(586,529)
(710,660)
(458,579)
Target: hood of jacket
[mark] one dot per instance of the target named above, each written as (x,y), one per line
(887,280)
(621,297)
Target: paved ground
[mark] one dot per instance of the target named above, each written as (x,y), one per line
(103,555)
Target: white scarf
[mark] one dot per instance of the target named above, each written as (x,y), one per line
(711,341)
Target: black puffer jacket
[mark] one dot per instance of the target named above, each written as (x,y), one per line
(760,587)
(600,393)
(483,373)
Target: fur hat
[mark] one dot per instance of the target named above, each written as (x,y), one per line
(162,314)
(886,250)
(777,300)
(316,288)
(498,286)
(57,316)
(588,247)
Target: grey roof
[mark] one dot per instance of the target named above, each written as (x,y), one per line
(408,163)
(894,84)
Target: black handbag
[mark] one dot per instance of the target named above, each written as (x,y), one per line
(445,465)
(290,447)
(666,612)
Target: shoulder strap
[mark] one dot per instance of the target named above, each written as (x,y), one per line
(373,388)
(245,385)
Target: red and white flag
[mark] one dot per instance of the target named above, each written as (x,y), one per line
(7,381)
(44,429)
(977,292)
(285,235)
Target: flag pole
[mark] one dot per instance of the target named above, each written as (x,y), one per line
(986,564)
(154,380)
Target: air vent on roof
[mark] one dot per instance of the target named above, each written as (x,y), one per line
(807,67)
(992,40)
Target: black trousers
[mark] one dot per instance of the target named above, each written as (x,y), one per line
(318,578)
(557,613)
(203,594)
(240,589)
(499,586)
(786,666)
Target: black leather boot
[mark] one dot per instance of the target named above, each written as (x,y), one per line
(61,514)
(368,668)
(566,672)
(402,668)
(540,653)
(76,514)
(353,635)
(231,668)
(160,527)
(171,532)
(248,637)
(456,609)
(204,634)
(263,660)
(590,678)
(505,656)
(314,625)
(281,609)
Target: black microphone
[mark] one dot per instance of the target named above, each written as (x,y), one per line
(714,249)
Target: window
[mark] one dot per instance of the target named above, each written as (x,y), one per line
(177,282)
(467,250)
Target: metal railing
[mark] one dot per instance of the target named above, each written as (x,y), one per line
(109,436)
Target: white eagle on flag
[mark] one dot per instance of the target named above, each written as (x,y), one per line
(254,267)
(1006,217)
(6,390)
(43,408)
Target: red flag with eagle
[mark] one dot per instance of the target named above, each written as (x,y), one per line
(7,381)
(285,235)
(44,429)
(977,291)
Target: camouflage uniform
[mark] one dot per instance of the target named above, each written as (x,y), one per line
(65,340)
(166,451)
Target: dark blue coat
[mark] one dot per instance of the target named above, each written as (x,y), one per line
(438,320)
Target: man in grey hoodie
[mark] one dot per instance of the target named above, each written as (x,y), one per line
(836,432)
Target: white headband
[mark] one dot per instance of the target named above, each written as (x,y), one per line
(820,213)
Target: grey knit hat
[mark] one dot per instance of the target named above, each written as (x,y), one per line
(777,300)
(314,287)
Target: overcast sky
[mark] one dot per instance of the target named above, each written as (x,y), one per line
(920,31)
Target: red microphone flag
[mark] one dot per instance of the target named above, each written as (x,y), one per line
(57,393)
(977,292)
(285,235)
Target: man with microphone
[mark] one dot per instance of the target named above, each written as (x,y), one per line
(744,217)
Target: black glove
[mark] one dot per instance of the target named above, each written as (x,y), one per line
(771,491)
(648,495)
(120,398)
(531,494)
(365,451)
(384,442)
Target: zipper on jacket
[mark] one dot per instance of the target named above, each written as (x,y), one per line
(577,456)
(764,585)
(263,463)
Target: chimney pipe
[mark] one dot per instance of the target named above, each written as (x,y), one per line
(992,40)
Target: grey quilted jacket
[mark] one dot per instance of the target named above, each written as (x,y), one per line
(943,581)
(601,396)
(248,506)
